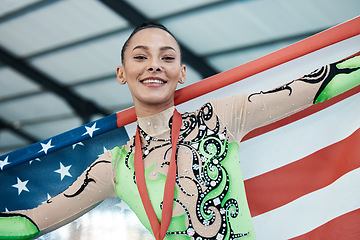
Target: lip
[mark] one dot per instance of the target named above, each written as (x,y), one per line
(153,81)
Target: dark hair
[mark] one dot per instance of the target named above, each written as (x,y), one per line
(142,26)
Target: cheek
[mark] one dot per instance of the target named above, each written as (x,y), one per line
(175,74)
(133,72)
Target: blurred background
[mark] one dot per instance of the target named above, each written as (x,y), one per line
(58,60)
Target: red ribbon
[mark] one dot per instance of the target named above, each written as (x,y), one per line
(159,230)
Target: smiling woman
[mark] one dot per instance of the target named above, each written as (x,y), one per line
(180,173)
(152,68)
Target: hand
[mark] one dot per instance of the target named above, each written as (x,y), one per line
(17,226)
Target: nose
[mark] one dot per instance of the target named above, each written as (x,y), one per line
(154,67)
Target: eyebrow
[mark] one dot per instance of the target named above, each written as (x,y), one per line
(161,49)
(166,48)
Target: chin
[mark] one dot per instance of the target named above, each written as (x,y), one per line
(158,100)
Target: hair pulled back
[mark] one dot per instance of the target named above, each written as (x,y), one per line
(142,26)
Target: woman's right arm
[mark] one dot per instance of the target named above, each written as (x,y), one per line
(93,186)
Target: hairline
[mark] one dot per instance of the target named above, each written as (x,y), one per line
(161,48)
(138,29)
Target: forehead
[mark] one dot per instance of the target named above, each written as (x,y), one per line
(153,38)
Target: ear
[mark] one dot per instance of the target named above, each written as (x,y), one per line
(120,75)
(182,74)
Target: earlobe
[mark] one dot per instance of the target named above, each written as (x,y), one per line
(182,74)
(120,76)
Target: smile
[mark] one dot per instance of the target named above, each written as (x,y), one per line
(153,80)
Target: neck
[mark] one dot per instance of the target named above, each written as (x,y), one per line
(156,124)
(146,110)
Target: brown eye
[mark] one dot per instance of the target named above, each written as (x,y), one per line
(140,57)
(168,58)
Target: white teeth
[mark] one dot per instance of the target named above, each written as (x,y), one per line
(153,81)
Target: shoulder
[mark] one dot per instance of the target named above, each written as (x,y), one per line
(223,104)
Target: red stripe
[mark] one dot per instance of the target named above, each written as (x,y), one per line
(326,38)
(125,117)
(346,226)
(285,184)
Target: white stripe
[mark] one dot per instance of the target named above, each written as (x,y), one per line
(131,129)
(310,211)
(301,138)
(280,74)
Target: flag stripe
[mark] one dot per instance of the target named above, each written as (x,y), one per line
(343,227)
(321,40)
(287,144)
(280,74)
(310,211)
(283,185)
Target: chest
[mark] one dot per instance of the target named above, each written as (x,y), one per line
(209,191)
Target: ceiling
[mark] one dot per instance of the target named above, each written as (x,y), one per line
(58,58)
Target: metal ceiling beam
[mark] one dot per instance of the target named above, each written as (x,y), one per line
(128,12)
(61,47)
(25,9)
(5,125)
(292,38)
(204,6)
(81,106)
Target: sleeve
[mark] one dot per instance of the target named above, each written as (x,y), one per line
(243,113)
(93,186)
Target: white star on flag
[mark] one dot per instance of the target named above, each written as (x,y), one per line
(36,159)
(48,198)
(105,150)
(79,143)
(64,171)
(4,162)
(90,130)
(46,147)
(21,186)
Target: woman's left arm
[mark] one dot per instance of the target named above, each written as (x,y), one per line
(261,108)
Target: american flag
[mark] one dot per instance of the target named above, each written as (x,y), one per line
(301,173)
(34,174)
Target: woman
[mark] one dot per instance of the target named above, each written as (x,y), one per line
(180,174)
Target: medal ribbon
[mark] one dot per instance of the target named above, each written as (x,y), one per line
(159,230)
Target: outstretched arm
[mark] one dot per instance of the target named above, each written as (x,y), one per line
(244,113)
(93,186)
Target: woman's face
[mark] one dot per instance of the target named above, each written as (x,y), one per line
(152,68)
